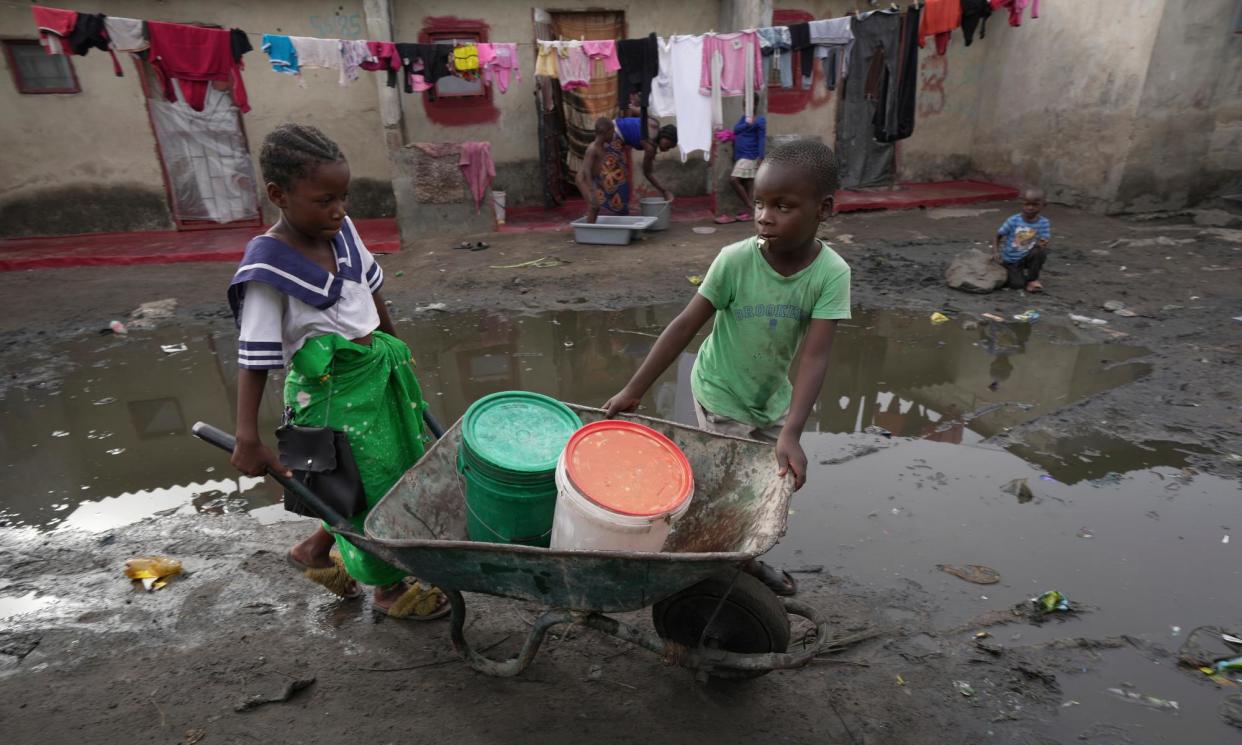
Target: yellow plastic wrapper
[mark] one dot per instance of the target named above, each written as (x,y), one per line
(939,318)
(695,279)
(154,571)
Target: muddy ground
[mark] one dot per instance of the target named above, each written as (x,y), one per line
(106,663)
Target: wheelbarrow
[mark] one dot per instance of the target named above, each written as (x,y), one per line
(709,616)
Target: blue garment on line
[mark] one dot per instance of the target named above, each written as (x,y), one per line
(280,51)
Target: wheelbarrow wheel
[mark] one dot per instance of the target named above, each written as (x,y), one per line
(751,620)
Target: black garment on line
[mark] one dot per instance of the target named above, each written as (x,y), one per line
(800,41)
(435,59)
(640,63)
(895,119)
(240,43)
(975,13)
(88,33)
(1027,268)
(863,161)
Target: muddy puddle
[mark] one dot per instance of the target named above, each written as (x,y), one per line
(1124,529)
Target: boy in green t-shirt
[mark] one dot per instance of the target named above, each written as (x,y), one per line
(776,297)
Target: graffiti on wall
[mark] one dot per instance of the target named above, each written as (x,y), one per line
(336,26)
(932,73)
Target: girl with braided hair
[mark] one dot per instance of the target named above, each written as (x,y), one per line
(307,297)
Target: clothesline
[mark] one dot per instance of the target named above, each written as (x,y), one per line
(259,35)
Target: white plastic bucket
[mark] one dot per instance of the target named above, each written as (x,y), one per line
(498,203)
(657,208)
(580,524)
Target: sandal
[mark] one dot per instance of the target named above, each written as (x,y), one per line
(419,603)
(743,216)
(1034,286)
(464,246)
(334,578)
(725,219)
(778,580)
(480,246)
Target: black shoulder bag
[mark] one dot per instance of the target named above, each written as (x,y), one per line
(321,459)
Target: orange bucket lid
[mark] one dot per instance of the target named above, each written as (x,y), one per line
(627,468)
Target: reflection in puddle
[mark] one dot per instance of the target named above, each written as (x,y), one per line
(115,431)
(15,606)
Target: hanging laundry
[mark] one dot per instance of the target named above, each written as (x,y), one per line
(1017,8)
(741,71)
(130,34)
(775,46)
(863,161)
(547,62)
(434,61)
(478,169)
(89,32)
(194,57)
(800,42)
(939,18)
(662,102)
(498,62)
(315,52)
(353,53)
(693,109)
(239,41)
(833,38)
(895,118)
(466,58)
(382,55)
(605,50)
(54,26)
(640,63)
(575,66)
(975,13)
(280,51)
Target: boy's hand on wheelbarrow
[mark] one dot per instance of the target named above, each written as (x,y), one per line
(255,459)
(790,457)
(626,400)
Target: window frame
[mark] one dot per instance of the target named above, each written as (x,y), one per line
(456,110)
(469,37)
(19,83)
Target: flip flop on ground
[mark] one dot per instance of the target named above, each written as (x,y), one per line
(334,578)
(725,219)
(419,603)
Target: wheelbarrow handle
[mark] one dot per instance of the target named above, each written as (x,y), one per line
(223,440)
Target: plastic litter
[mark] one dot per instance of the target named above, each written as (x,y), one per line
(704,230)
(1141,699)
(976,573)
(963,688)
(993,317)
(118,328)
(399,274)
(441,307)
(695,279)
(1085,533)
(1113,306)
(901,681)
(1231,639)
(154,571)
(1225,539)
(939,318)
(1051,602)
(1030,316)
(874,430)
(1088,320)
(1223,665)
(173,348)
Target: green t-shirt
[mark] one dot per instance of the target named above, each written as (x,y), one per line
(742,371)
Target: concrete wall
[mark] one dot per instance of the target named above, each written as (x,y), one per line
(87,162)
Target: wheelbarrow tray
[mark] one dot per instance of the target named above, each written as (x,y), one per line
(739,511)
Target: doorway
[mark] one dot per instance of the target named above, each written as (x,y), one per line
(204,157)
(567,118)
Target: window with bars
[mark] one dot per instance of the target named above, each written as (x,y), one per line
(36,71)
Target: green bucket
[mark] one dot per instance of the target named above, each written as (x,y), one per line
(509,447)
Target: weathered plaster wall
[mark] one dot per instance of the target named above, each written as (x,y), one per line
(1186,142)
(87,162)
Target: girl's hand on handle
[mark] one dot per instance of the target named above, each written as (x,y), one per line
(624,401)
(255,459)
(790,457)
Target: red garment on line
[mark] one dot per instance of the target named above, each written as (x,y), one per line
(1016,8)
(194,57)
(54,22)
(478,169)
(385,54)
(939,18)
